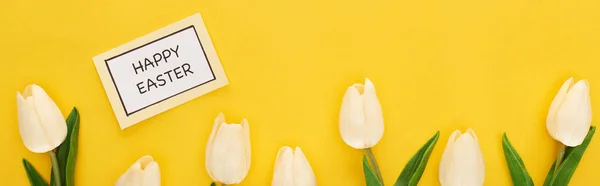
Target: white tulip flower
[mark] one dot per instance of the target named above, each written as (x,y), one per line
(41,124)
(462,163)
(228,151)
(292,169)
(570,114)
(144,172)
(361,119)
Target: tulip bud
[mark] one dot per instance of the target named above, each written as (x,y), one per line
(41,124)
(292,169)
(144,172)
(462,163)
(570,114)
(228,151)
(361,120)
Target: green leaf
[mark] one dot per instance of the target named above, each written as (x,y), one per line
(34,177)
(572,158)
(213,184)
(52,182)
(73,148)
(550,175)
(63,150)
(370,176)
(517,169)
(415,167)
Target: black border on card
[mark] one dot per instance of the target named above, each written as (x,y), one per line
(115,84)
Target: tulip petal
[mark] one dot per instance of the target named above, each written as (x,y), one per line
(216,157)
(303,173)
(30,127)
(462,162)
(469,168)
(555,105)
(133,176)
(373,115)
(228,151)
(574,115)
(28,91)
(144,161)
(151,176)
(352,119)
(50,116)
(284,168)
(472,134)
(465,168)
(478,162)
(144,172)
(228,154)
(215,130)
(447,162)
(209,145)
(247,148)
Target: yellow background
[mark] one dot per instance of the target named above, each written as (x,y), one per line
(493,66)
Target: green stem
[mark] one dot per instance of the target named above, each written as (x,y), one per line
(371,158)
(55,168)
(560,157)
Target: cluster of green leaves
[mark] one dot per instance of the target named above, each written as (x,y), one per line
(66,155)
(413,170)
(560,177)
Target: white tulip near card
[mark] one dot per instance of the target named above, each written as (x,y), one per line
(159,71)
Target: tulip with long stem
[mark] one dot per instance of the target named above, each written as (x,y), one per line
(361,120)
(570,115)
(41,124)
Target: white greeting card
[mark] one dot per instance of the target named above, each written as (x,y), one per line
(159,71)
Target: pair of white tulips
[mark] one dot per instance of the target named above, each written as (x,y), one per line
(228,157)
(43,128)
(361,127)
